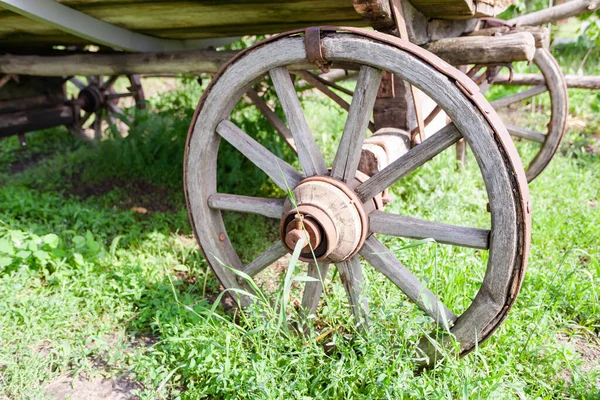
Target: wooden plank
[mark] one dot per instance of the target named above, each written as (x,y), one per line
(409,162)
(283,174)
(383,260)
(94,30)
(270,208)
(415,228)
(196,19)
(309,154)
(347,157)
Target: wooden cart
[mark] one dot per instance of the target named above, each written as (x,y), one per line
(336,211)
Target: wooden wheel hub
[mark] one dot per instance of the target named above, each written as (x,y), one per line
(329,215)
(91,98)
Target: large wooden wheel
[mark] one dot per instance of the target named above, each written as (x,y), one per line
(100,105)
(549,140)
(336,209)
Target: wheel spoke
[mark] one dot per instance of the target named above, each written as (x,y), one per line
(347,157)
(415,228)
(80,85)
(115,96)
(84,119)
(119,113)
(283,174)
(273,118)
(267,258)
(409,162)
(271,208)
(382,259)
(309,154)
(313,290)
(98,126)
(352,278)
(324,88)
(109,82)
(513,98)
(526,133)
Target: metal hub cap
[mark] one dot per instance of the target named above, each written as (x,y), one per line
(329,216)
(91,98)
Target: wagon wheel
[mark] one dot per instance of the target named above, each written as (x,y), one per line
(555,85)
(100,105)
(337,214)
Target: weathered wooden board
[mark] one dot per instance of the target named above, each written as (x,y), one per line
(187,19)
(201,19)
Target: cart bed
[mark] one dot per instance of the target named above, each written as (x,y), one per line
(210,19)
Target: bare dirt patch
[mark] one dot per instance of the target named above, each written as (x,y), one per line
(588,349)
(80,388)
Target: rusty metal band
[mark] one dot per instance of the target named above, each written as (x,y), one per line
(314,51)
(470,89)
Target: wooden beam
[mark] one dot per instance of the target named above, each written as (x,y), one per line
(457,51)
(556,13)
(573,81)
(540,34)
(197,61)
(485,50)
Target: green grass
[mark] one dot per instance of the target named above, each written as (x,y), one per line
(89,287)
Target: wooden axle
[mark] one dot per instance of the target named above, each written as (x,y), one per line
(457,51)
(540,34)
(573,81)
(485,50)
(25,121)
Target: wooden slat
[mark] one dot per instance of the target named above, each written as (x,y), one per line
(513,98)
(273,254)
(347,157)
(270,208)
(283,174)
(383,260)
(409,162)
(415,228)
(352,278)
(309,154)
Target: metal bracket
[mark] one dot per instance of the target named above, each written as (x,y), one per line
(96,31)
(314,51)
